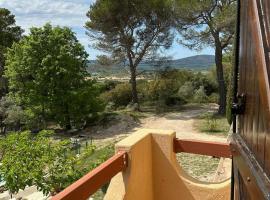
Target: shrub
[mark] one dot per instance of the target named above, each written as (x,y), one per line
(107,85)
(81,105)
(11,115)
(174,100)
(200,96)
(161,89)
(213,98)
(212,124)
(142,87)
(92,159)
(34,159)
(208,81)
(186,91)
(120,95)
(34,121)
(181,86)
(179,76)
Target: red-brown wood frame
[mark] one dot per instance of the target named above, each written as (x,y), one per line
(207,148)
(91,182)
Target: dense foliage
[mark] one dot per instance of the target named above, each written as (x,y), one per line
(119,96)
(9,33)
(12,116)
(47,77)
(181,86)
(35,159)
(51,165)
(166,88)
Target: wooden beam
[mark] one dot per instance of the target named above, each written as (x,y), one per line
(207,148)
(91,182)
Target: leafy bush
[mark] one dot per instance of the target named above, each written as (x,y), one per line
(207,80)
(212,125)
(34,159)
(92,159)
(34,121)
(11,115)
(120,95)
(213,98)
(181,86)
(169,87)
(229,80)
(107,85)
(161,89)
(142,87)
(179,76)
(186,91)
(200,96)
(174,100)
(83,105)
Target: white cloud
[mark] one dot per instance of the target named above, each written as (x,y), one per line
(71,13)
(30,13)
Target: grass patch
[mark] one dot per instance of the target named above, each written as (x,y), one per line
(97,157)
(136,115)
(212,124)
(198,166)
(87,163)
(99,195)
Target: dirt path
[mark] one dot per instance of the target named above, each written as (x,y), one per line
(182,123)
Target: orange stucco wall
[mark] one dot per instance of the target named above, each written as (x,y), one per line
(154,174)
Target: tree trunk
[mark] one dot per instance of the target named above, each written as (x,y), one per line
(1,125)
(133,84)
(3,81)
(43,115)
(68,123)
(220,78)
(4,130)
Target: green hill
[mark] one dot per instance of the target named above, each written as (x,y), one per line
(198,62)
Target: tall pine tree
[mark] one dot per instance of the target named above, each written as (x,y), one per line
(208,23)
(131,30)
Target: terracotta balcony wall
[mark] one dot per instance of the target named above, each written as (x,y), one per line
(145,168)
(153,172)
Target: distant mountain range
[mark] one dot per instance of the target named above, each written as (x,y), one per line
(199,62)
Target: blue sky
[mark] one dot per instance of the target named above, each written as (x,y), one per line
(70,13)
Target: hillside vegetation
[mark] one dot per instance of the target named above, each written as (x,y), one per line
(198,63)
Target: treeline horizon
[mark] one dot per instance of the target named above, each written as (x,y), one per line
(44,73)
